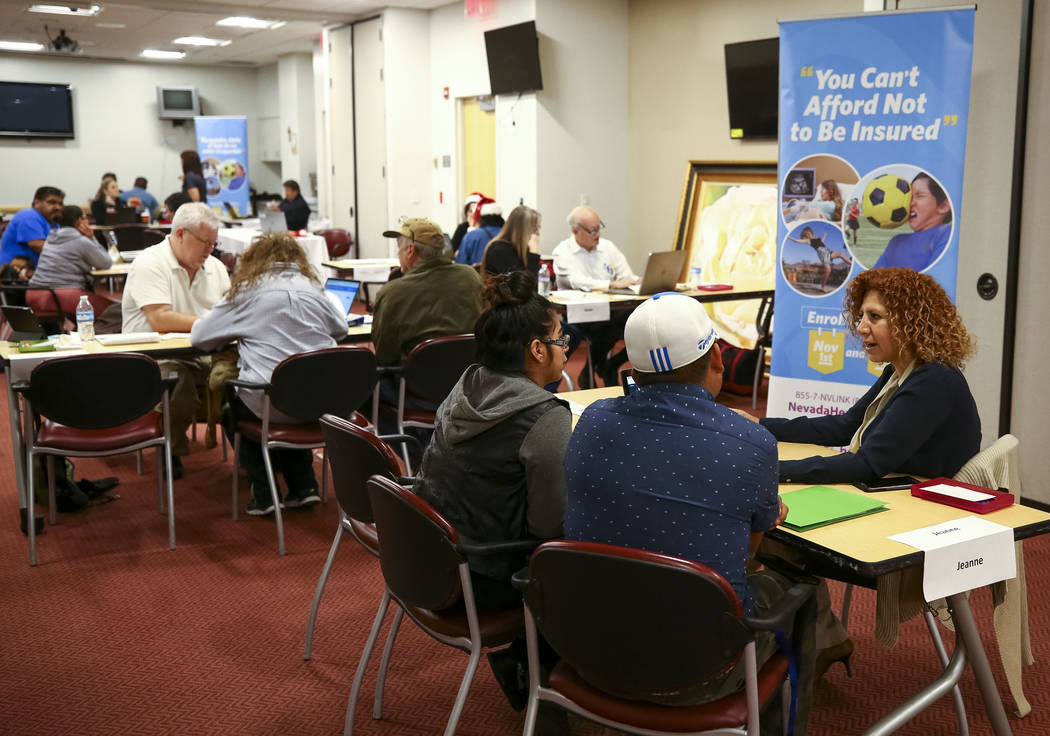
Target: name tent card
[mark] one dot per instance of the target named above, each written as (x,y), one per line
(586,308)
(962,554)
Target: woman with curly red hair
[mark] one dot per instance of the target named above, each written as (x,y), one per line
(919,417)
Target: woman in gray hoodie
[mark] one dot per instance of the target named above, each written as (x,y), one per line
(69,254)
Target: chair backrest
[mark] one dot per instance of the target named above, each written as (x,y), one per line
(152,236)
(15,295)
(355,455)
(433,366)
(330,381)
(337,240)
(634,623)
(420,565)
(995,467)
(95,391)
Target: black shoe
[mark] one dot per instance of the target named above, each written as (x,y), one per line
(176,468)
(37,517)
(511,675)
(551,720)
(96,488)
(298,499)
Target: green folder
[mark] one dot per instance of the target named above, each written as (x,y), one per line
(816,506)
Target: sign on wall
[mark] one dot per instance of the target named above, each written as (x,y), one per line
(222,144)
(873,112)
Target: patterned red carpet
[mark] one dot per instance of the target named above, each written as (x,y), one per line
(114,634)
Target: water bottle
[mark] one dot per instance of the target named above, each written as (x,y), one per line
(85,320)
(544,279)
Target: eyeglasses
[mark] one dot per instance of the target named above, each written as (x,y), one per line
(561,342)
(593,230)
(212,243)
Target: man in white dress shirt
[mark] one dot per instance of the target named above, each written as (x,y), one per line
(588,262)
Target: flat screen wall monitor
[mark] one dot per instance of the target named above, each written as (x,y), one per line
(178,103)
(753,85)
(514,59)
(35,110)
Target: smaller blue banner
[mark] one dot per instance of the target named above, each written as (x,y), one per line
(222,143)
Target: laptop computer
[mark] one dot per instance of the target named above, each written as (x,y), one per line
(343,292)
(273,221)
(25,325)
(123,216)
(661,274)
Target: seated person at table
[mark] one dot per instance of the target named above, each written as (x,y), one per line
(70,253)
(276,307)
(469,219)
(588,262)
(919,418)
(435,297)
(139,198)
(516,246)
(106,202)
(296,210)
(472,247)
(28,229)
(494,466)
(170,285)
(667,469)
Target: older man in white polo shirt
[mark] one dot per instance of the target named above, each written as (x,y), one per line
(170,285)
(589,262)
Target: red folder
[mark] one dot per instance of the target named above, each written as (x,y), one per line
(1000,500)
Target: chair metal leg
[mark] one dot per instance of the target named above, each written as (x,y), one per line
(222,441)
(276,498)
(760,367)
(160,477)
(384,662)
(236,469)
(138,462)
(171,494)
(847,598)
(938,644)
(52,502)
(531,647)
(568,381)
(464,688)
(324,477)
(321,582)
(30,508)
(348,725)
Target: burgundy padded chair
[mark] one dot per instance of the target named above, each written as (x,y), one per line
(339,241)
(425,569)
(87,410)
(306,386)
(628,623)
(355,454)
(430,371)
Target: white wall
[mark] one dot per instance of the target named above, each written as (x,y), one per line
(410,163)
(458,61)
(295,77)
(117,129)
(582,119)
(266,176)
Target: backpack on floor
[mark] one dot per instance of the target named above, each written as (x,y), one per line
(738,377)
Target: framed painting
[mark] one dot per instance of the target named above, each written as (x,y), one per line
(727,224)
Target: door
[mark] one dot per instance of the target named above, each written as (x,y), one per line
(370,140)
(478,127)
(341,130)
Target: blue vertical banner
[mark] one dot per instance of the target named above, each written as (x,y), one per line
(873,112)
(222,143)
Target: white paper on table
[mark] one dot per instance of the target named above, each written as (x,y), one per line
(964,494)
(368,319)
(962,554)
(576,407)
(586,310)
(372,274)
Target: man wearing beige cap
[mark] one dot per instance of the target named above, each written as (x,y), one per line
(435,297)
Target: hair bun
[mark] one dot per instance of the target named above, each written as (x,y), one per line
(513,288)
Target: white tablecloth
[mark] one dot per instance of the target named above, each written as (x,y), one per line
(237,239)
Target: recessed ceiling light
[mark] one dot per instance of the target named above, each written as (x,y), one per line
(159,54)
(83,10)
(21,46)
(110,25)
(243,21)
(201,41)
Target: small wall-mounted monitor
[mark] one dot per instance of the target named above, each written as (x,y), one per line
(34,110)
(753,84)
(178,103)
(514,59)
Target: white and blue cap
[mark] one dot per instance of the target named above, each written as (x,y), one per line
(667,331)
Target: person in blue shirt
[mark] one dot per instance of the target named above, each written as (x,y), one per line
(472,248)
(930,217)
(139,198)
(25,235)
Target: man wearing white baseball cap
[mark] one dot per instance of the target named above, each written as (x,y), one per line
(667,469)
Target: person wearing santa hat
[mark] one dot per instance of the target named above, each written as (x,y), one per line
(490,221)
(470,207)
